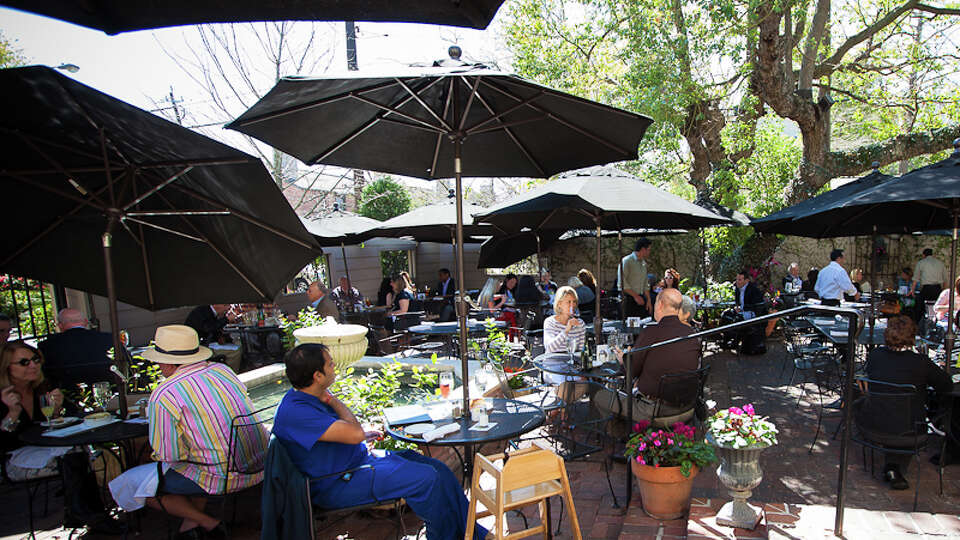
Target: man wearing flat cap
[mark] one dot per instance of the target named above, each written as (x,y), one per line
(191,416)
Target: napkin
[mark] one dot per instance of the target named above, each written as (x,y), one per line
(441,432)
(36,457)
(79,428)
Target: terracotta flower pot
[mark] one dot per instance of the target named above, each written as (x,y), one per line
(664,491)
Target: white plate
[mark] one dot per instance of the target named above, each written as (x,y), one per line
(419,429)
(67,421)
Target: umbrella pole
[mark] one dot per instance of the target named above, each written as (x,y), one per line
(951,315)
(597,319)
(620,271)
(119,357)
(539,264)
(461,305)
(873,281)
(346,270)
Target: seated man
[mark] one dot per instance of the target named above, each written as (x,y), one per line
(323,437)
(321,301)
(76,355)
(648,366)
(346,296)
(209,321)
(446,288)
(190,416)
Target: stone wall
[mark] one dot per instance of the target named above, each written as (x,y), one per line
(565,258)
(683,252)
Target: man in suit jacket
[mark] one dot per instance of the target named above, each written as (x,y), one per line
(208,321)
(446,288)
(321,301)
(76,355)
(747,296)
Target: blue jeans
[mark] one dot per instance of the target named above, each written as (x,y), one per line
(428,486)
(177,484)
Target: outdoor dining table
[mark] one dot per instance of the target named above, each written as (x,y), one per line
(512,418)
(123,434)
(838,332)
(620,327)
(559,364)
(448,330)
(255,342)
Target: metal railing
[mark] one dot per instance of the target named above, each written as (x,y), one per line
(30,305)
(856,325)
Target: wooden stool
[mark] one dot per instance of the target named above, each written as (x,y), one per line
(527,476)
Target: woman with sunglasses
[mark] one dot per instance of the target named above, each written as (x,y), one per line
(21,387)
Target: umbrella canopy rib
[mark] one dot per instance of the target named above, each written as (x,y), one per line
(157,188)
(523,149)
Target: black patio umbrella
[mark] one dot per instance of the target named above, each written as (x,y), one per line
(116,16)
(107,198)
(435,223)
(602,198)
(340,228)
(786,221)
(437,122)
(502,250)
(626,233)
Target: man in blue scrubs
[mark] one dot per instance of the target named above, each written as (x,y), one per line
(324,437)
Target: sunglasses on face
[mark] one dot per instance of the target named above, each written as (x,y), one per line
(26,361)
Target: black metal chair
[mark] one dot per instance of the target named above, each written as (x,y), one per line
(244,457)
(890,418)
(32,487)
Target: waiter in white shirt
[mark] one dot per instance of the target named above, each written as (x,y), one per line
(929,278)
(833,281)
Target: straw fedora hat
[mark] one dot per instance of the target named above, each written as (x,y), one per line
(176,344)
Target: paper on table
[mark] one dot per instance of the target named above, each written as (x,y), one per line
(487,427)
(441,431)
(79,428)
(406,414)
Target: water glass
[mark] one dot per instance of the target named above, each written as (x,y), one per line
(446,383)
(571,346)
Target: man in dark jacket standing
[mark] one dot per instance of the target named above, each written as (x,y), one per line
(76,355)
(209,321)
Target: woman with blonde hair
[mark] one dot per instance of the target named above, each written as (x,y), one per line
(561,331)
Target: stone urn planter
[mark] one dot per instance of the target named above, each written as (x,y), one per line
(347,342)
(740,472)
(664,491)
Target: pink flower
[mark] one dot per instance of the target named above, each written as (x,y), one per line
(641,426)
(657,442)
(669,441)
(736,411)
(641,461)
(748,408)
(642,447)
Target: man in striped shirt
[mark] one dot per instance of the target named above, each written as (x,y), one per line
(191,415)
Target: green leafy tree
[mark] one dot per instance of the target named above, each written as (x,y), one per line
(383,199)
(10,55)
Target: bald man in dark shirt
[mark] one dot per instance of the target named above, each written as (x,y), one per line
(648,366)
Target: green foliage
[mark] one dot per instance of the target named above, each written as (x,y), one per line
(676,446)
(369,393)
(306,317)
(393,262)
(28,301)
(495,348)
(142,375)
(10,55)
(383,199)
(721,291)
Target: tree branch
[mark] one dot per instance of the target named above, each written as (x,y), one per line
(828,66)
(938,10)
(856,160)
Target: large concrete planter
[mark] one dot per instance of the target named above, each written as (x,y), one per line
(740,472)
(664,491)
(347,342)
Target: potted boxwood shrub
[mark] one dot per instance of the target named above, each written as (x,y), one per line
(740,436)
(665,462)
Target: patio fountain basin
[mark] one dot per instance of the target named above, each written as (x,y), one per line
(346,342)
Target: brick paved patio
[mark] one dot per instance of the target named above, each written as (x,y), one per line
(797,492)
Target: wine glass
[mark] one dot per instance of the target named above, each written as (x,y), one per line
(101,393)
(46,406)
(571,347)
(446,383)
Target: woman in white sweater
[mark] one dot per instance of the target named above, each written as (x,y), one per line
(558,332)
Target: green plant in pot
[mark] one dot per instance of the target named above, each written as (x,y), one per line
(665,462)
(740,436)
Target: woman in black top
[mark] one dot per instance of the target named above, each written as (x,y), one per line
(897,363)
(21,385)
(401,296)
